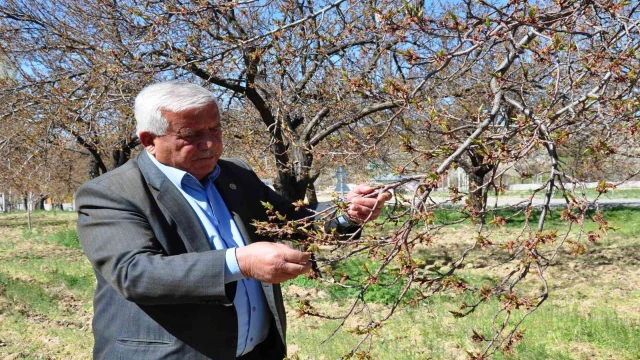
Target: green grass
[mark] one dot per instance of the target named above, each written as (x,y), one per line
(624,218)
(385,292)
(63,235)
(73,273)
(619,218)
(429,332)
(66,237)
(554,331)
(35,339)
(358,269)
(46,287)
(589,193)
(28,294)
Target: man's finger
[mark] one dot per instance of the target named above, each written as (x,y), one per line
(359,209)
(295,256)
(366,202)
(385,196)
(296,269)
(361,189)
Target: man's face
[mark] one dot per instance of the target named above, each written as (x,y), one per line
(192,142)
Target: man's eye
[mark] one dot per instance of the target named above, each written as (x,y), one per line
(188,138)
(215,129)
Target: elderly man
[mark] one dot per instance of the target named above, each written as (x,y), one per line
(181,272)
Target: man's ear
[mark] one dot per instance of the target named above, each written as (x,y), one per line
(147,140)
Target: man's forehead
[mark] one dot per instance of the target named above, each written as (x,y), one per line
(211,108)
(192,118)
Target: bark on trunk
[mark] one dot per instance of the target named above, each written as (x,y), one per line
(476,179)
(123,154)
(39,204)
(294,173)
(94,168)
(476,169)
(312,198)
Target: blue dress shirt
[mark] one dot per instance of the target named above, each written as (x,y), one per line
(222,233)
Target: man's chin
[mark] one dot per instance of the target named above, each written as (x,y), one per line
(202,167)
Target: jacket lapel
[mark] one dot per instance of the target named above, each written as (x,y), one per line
(174,206)
(232,195)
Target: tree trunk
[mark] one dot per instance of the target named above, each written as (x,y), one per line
(312,198)
(293,161)
(39,204)
(25,201)
(94,168)
(476,196)
(286,184)
(476,169)
(289,184)
(294,177)
(303,159)
(123,154)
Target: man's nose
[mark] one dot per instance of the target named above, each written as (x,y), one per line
(209,141)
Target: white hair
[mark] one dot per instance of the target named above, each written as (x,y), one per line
(174,96)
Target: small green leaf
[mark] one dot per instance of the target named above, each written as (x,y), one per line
(267,205)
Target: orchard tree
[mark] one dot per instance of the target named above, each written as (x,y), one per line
(524,80)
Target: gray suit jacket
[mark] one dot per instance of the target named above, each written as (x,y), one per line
(160,288)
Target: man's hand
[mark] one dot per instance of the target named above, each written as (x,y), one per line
(365,208)
(272,263)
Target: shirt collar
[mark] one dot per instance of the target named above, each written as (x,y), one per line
(178,177)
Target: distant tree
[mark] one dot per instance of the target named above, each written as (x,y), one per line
(32,168)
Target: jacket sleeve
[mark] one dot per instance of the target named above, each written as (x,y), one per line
(117,237)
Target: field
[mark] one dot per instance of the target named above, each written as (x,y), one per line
(593,312)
